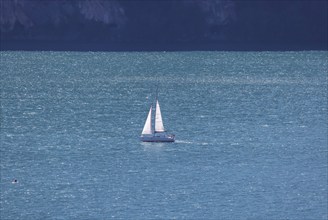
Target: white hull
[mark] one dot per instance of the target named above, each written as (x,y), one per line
(158,138)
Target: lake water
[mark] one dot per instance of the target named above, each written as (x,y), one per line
(251,135)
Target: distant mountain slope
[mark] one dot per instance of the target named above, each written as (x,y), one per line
(183,21)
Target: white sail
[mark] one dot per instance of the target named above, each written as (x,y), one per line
(159,127)
(147,128)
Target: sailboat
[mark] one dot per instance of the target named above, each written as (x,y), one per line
(157,132)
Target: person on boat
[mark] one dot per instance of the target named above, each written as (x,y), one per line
(14,181)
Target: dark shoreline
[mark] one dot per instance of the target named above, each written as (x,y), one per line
(143,46)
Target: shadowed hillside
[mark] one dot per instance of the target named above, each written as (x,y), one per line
(184,24)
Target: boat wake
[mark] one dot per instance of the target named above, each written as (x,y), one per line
(190,142)
(183,142)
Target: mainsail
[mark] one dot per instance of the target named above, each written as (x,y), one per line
(147,128)
(159,127)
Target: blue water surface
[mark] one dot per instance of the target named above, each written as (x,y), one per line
(251,135)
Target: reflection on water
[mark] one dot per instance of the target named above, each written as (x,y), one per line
(251,129)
